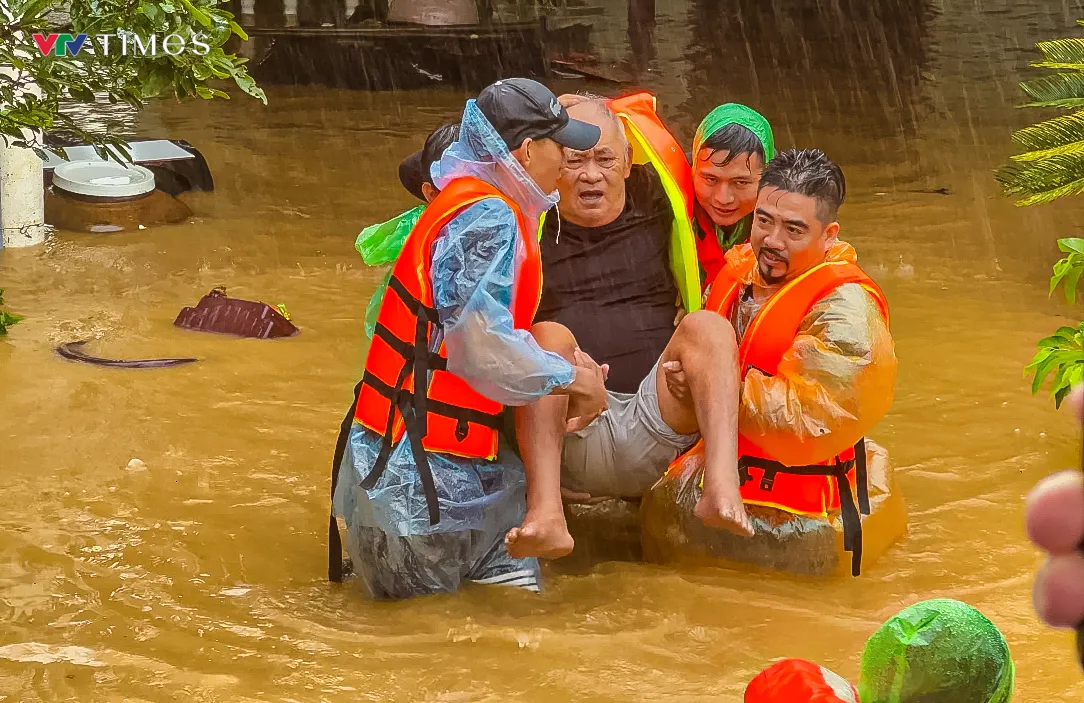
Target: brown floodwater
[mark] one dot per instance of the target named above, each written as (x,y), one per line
(198,572)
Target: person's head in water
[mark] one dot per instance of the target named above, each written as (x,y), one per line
(731,147)
(592,182)
(535,127)
(794,223)
(414,171)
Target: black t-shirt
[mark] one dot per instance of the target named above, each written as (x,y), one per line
(612,285)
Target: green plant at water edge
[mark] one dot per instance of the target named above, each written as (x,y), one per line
(7,319)
(116,63)
(1052,167)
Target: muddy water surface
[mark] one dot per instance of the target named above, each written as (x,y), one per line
(197,572)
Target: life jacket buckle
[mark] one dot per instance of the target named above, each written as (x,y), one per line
(768,481)
(462,429)
(743,473)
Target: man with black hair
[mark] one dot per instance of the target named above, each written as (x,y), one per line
(730,149)
(815,356)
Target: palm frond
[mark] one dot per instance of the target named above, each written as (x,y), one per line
(1058,66)
(1064,51)
(1029,156)
(1059,131)
(1044,181)
(1056,91)
(1066,104)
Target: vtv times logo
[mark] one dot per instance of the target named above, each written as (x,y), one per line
(121,44)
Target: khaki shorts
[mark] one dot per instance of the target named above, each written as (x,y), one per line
(626,449)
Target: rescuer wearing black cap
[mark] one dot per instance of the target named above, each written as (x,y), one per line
(426,486)
(525,114)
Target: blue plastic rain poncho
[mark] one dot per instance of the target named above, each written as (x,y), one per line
(395,551)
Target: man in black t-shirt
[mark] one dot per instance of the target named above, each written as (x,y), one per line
(605,258)
(607,290)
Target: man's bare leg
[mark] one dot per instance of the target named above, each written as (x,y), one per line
(705,348)
(540,430)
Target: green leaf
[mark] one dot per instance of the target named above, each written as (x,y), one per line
(236,29)
(1065,333)
(1059,396)
(247,84)
(1075,375)
(197,14)
(34,9)
(1071,244)
(1071,280)
(1042,370)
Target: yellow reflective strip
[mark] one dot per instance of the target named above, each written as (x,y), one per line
(777,506)
(683,260)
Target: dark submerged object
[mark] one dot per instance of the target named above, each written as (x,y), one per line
(399,57)
(217,312)
(74,352)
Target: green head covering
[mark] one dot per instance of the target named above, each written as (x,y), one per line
(733,113)
(938,651)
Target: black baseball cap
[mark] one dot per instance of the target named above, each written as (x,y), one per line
(519,108)
(414,169)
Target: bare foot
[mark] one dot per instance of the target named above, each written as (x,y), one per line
(541,535)
(724,512)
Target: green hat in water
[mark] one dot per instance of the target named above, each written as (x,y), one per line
(733,113)
(937,651)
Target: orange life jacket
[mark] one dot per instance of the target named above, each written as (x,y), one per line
(406,387)
(823,484)
(708,250)
(799,681)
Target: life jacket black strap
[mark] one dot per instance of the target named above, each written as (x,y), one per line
(420,309)
(861,476)
(402,402)
(334,540)
(850,513)
(492,421)
(852,521)
(415,407)
(406,349)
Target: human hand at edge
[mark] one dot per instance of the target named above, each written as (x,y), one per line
(1055,524)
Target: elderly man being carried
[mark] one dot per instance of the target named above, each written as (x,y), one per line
(614,261)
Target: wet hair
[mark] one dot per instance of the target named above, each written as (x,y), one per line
(736,140)
(435,144)
(808,172)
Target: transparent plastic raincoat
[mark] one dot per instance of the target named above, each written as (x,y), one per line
(473,269)
(835,382)
(833,385)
